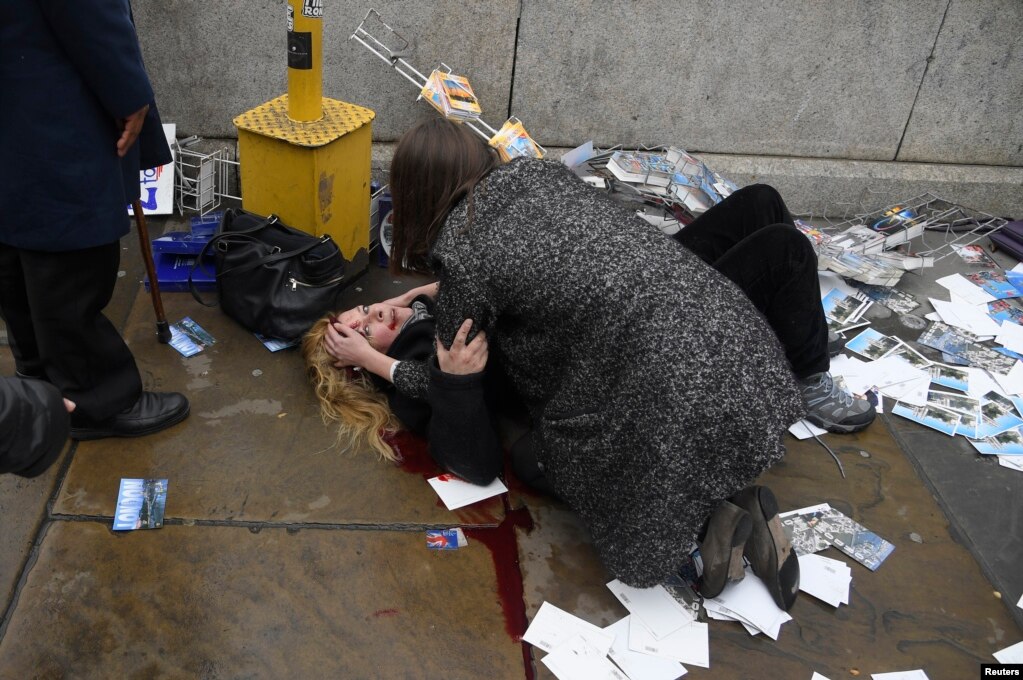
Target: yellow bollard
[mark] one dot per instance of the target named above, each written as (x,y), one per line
(304,157)
(305,60)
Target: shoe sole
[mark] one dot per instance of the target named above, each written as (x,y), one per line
(89,434)
(715,575)
(838,428)
(769,550)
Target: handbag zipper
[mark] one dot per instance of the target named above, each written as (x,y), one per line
(295,283)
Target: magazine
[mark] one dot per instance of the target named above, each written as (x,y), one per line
(512,141)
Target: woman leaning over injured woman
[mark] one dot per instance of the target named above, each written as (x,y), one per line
(660,375)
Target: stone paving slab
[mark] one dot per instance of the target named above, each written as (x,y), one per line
(254,447)
(928,605)
(226,602)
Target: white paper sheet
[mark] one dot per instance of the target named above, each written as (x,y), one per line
(552,627)
(689,644)
(1011,654)
(804,429)
(968,317)
(969,292)
(637,665)
(901,675)
(824,578)
(749,600)
(661,612)
(980,382)
(1020,603)
(1012,383)
(829,281)
(457,493)
(576,659)
(818,676)
(1011,462)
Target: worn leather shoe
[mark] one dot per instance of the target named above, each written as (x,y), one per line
(768,549)
(722,546)
(154,411)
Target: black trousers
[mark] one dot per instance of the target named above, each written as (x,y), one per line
(750,238)
(52,303)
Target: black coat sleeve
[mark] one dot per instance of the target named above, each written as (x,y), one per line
(461,432)
(33,426)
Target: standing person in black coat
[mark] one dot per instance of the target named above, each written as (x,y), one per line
(77,124)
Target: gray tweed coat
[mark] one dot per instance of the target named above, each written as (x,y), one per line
(656,388)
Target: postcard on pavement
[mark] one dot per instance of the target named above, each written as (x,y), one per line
(140,504)
(457,493)
(189,338)
(894,299)
(799,527)
(934,417)
(872,344)
(1008,443)
(949,376)
(854,539)
(974,254)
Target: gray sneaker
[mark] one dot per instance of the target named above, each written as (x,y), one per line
(833,408)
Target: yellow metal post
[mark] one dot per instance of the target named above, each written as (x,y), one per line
(304,157)
(305,60)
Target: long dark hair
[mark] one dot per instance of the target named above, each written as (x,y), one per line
(435,165)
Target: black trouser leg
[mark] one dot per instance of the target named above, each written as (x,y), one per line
(79,349)
(17,315)
(749,238)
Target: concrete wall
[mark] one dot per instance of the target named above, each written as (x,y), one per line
(924,81)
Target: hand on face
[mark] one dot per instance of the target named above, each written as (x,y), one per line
(347,345)
(379,323)
(464,357)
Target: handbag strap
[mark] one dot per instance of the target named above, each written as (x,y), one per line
(270,219)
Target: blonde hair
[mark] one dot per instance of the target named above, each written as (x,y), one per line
(348,398)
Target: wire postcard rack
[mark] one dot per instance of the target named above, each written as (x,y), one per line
(393,48)
(201,180)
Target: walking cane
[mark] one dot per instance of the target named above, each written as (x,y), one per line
(163,333)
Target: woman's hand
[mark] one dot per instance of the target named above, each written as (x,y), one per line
(464,357)
(347,345)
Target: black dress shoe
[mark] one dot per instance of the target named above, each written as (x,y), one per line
(154,411)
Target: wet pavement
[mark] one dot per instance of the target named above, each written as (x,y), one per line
(283,557)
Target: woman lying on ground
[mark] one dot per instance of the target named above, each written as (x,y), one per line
(656,387)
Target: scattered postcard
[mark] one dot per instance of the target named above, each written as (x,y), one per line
(896,300)
(140,504)
(949,376)
(994,283)
(749,602)
(577,659)
(872,344)
(934,417)
(552,627)
(912,393)
(189,338)
(901,675)
(998,414)
(457,493)
(960,403)
(967,317)
(1003,310)
(843,309)
(1010,336)
(689,644)
(969,425)
(1015,278)
(661,612)
(818,676)
(964,345)
(445,539)
(907,354)
(804,429)
(1020,603)
(953,360)
(824,578)
(974,254)
(276,344)
(854,539)
(638,664)
(1008,443)
(799,525)
(1011,383)
(1012,654)
(1011,462)
(969,291)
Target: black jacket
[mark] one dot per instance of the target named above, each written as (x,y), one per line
(33,426)
(454,416)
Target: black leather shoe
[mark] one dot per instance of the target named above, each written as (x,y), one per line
(154,411)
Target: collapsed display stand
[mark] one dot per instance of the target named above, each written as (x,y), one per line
(392,47)
(946,225)
(201,180)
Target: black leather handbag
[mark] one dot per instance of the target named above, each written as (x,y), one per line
(271,278)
